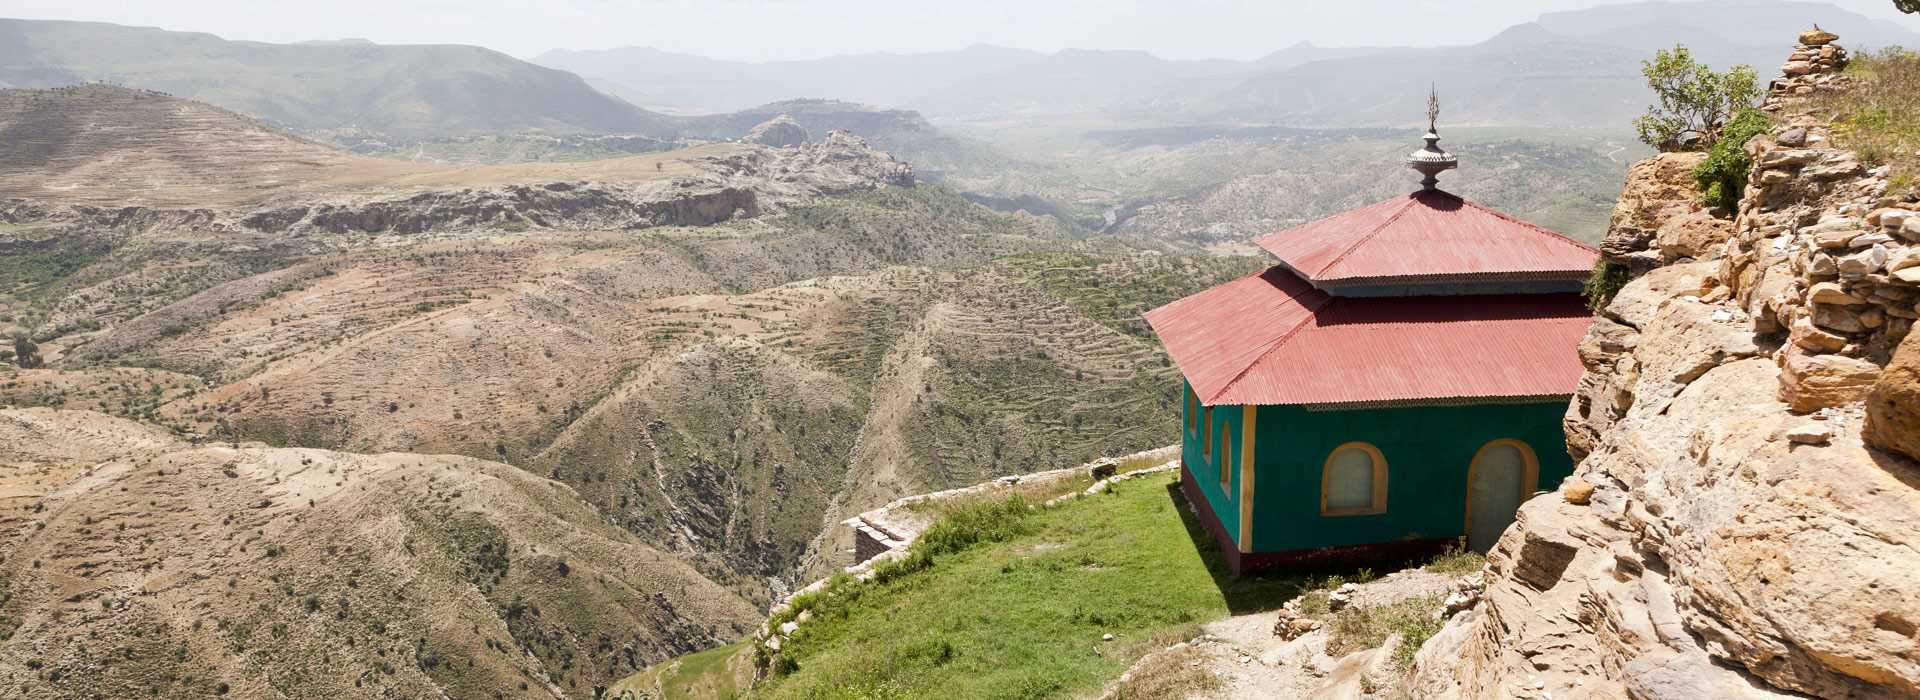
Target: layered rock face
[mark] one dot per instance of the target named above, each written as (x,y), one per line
(736,185)
(1745,520)
(1659,219)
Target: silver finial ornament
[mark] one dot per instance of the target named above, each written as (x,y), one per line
(1432,160)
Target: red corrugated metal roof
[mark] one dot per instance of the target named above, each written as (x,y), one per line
(1273,339)
(1426,235)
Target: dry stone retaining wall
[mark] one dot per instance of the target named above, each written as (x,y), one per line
(1744,519)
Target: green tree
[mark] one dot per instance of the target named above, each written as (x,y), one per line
(1907,6)
(1695,101)
(26,353)
(1722,177)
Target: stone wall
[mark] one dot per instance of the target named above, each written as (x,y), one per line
(1745,519)
(896,524)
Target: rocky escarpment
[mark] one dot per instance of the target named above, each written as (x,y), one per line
(1745,518)
(744,184)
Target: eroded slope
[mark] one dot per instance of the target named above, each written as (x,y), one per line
(134,564)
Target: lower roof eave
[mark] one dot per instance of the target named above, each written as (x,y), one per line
(1436,401)
(1573,276)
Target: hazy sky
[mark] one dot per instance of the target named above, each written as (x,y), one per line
(786,29)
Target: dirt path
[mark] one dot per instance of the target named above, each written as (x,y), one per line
(1241,657)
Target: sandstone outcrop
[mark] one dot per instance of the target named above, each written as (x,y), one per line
(1659,219)
(1893,406)
(1745,517)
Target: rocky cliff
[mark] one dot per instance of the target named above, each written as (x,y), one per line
(1745,520)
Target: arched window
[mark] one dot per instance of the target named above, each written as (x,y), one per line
(1354,481)
(1193,411)
(1226,461)
(1206,438)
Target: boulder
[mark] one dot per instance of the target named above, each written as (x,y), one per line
(1658,190)
(1696,234)
(1864,262)
(1817,37)
(1637,303)
(1832,293)
(1888,217)
(1903,258)
(1809,432)
(1838,318)
(1806,335)
(1577,492)
(779,132)
(1102,468)
(1812,382)
(1893,405)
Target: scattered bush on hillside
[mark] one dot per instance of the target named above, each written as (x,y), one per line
(1606,281)
(1722,177)
(1457,560)
(26,353)
(1878,116)
(1695,101)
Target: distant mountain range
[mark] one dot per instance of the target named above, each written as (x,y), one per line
(408,91)
(1575,68)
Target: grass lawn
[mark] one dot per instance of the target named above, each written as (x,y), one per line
(1024,617)
(701,675)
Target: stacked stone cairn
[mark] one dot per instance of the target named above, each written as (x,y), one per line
(1814,66)
(1822,251)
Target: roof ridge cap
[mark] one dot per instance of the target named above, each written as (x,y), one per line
(1411,200)
(1563,238)
(1312,315)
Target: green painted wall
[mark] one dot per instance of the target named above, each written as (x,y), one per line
(1428,450)
(1207,469)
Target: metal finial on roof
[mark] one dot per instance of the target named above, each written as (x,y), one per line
(1432,160)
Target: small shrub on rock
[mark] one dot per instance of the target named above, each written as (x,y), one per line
(1722,177)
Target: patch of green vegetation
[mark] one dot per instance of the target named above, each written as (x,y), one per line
(1722,177)
(1603,284)
(1024,616)
(34,274)
(705,675)
(1368,626)
(1878,115)
(1457,560)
